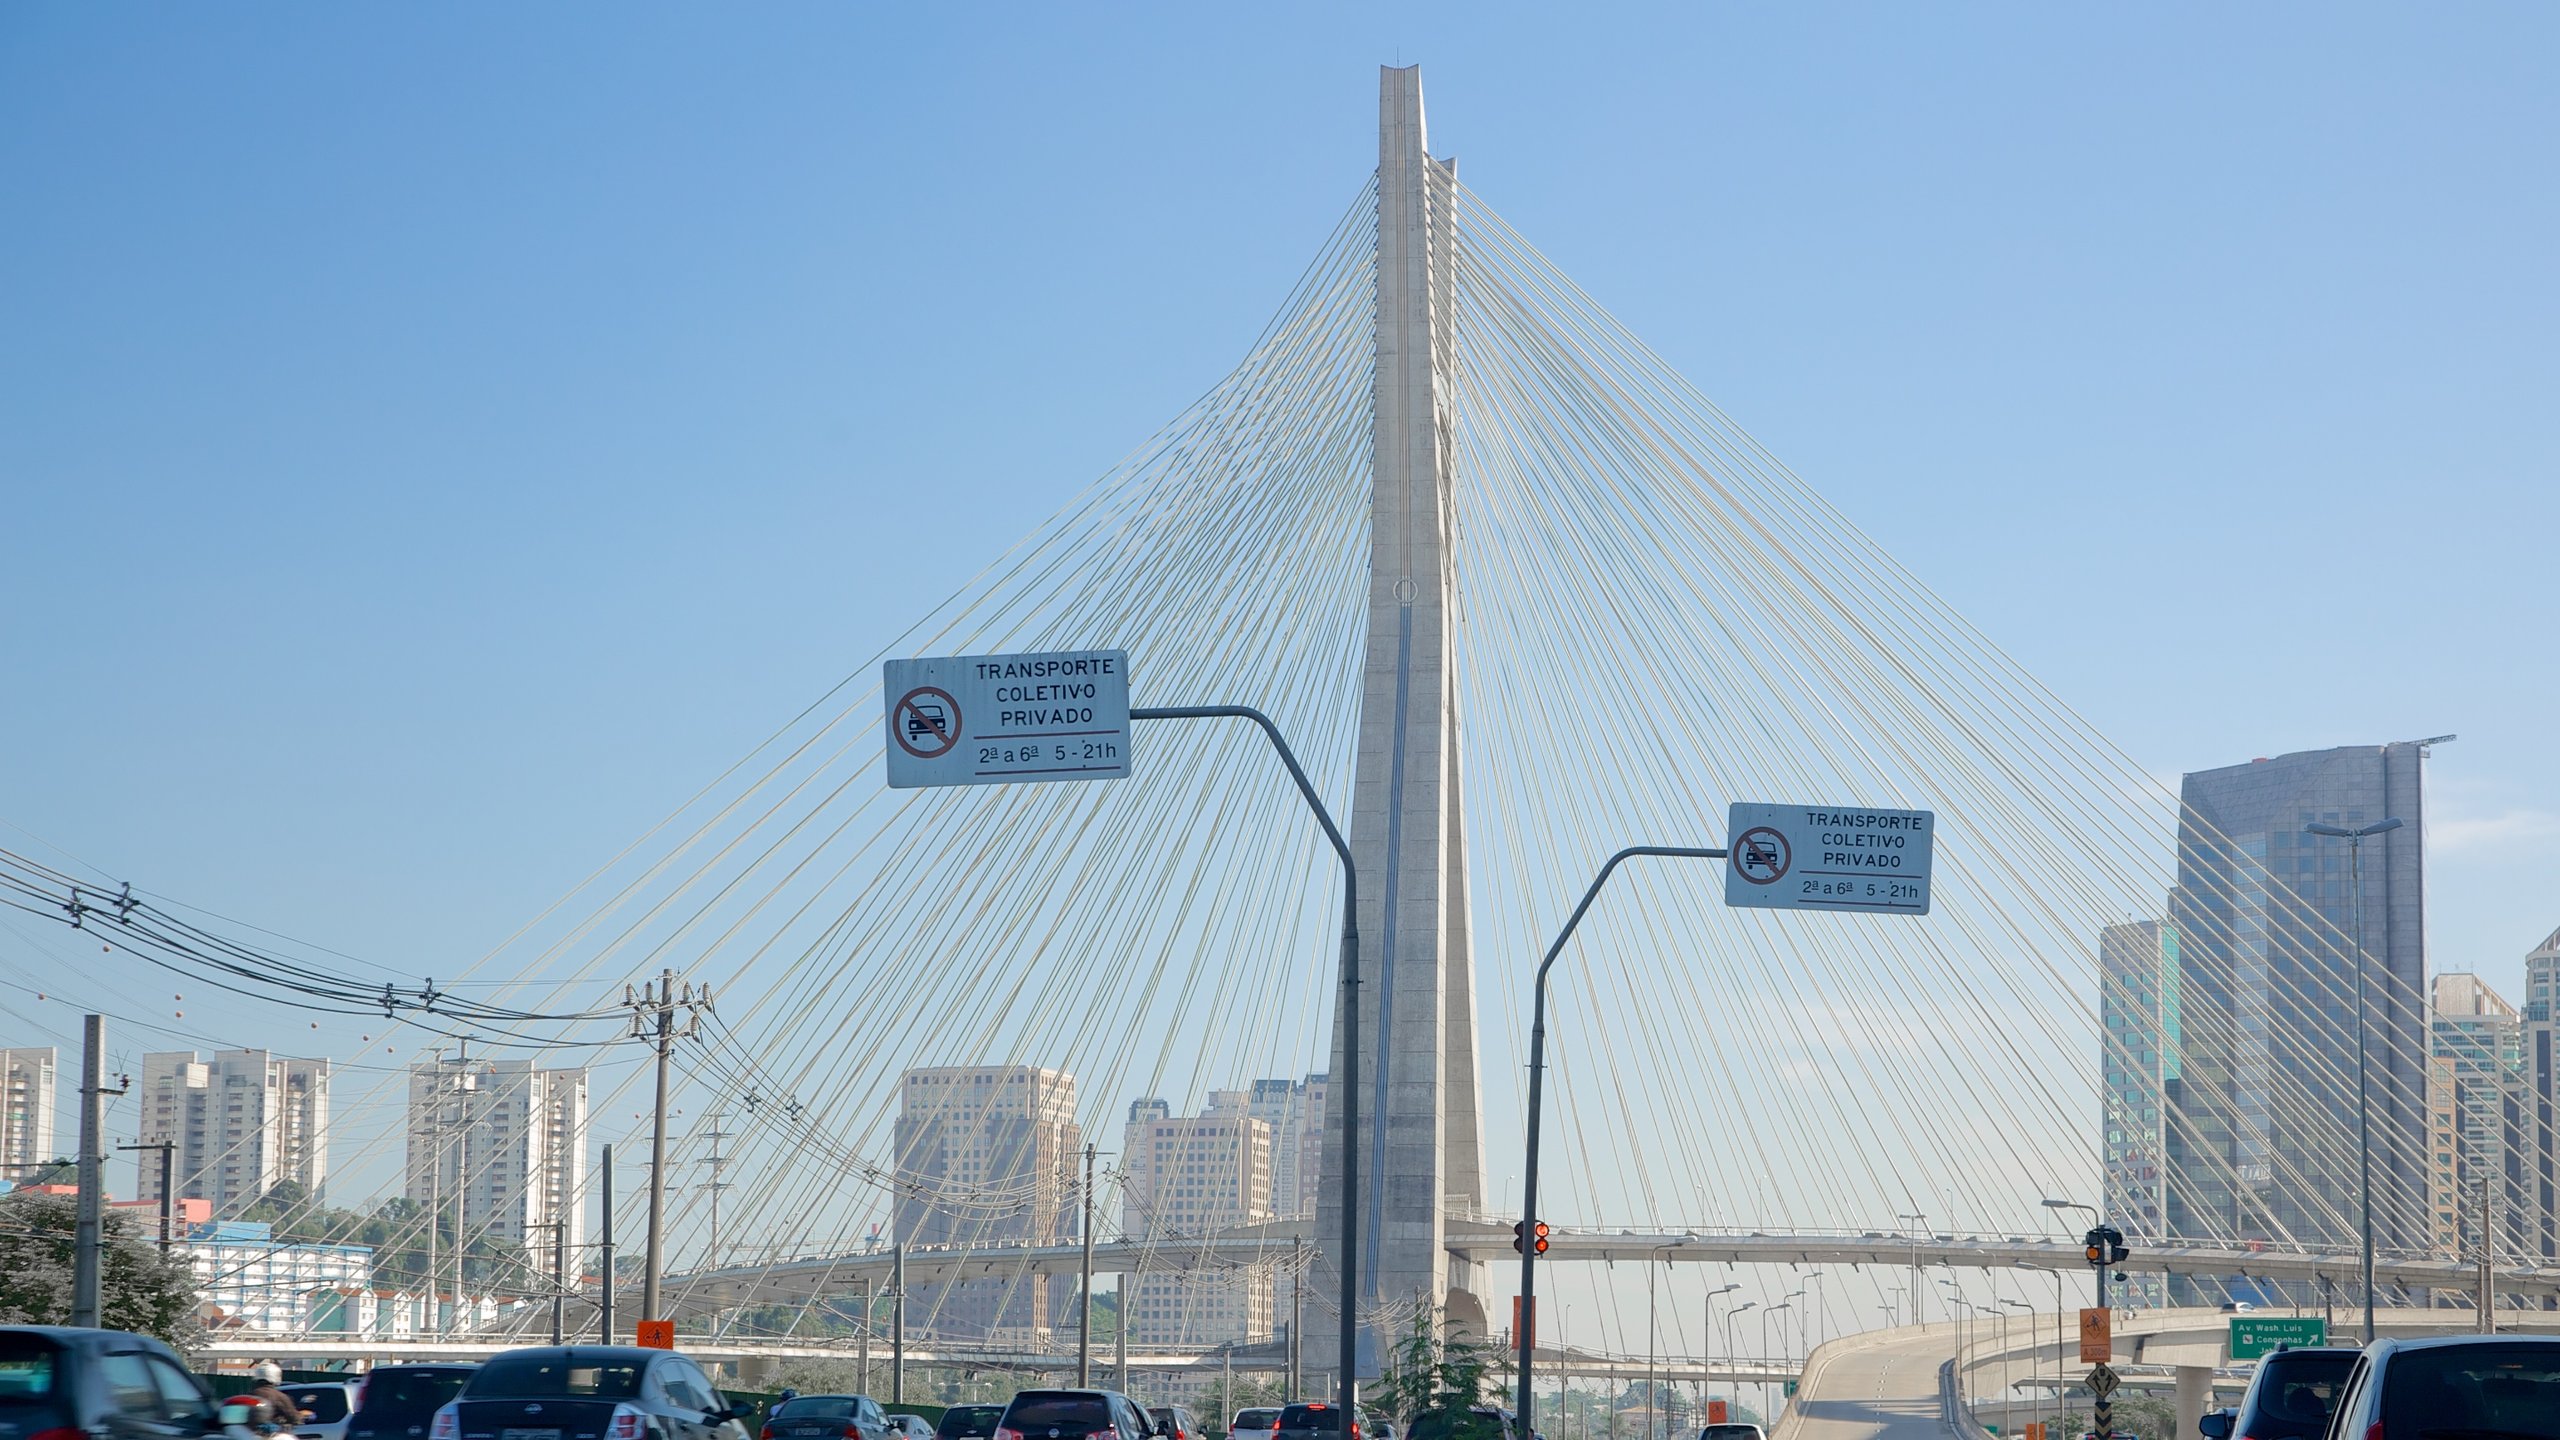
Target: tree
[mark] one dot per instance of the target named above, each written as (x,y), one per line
(1433,1369)
(139,1288)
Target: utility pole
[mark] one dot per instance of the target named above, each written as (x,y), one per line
(1297,1312)
(559,1278)
(1084,1306)
(898,1324)
(89,1238)
(653,1018)
(1120,1302)
(870,1316)
(718,1162)
(2488,1261)
(168,1155)
(604,1288)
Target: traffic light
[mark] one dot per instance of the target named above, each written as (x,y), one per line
(2104,1246)
(1520,1235)
(2115,1248)
(1542,1237)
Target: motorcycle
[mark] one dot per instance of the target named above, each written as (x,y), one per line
(245,1418)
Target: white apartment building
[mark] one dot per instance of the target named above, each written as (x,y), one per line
(1294,1109)
(269,1286)
(26,1109)
(988,1153)
(501,1144)
(243,1122)
(1186,1177)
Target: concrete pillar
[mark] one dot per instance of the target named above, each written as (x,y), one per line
(2195,1396)
(757,1372)
(1420,1148)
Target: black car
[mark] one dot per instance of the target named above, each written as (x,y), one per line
(1073,1415)
(969,1422)
(1318,1422)
(60,1383)
(589,1392)
(399,1402)
(2289,1398)
(827,1417)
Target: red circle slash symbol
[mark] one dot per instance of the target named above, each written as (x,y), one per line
(926,722)
(1760,856)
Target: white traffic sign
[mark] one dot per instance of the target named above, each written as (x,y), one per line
(987,719)
(1829,857)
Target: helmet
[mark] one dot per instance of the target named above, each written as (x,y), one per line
(268,1371)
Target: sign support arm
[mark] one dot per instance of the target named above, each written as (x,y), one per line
(1349,1369)
(1528,1241)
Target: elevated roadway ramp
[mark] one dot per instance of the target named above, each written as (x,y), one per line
(1875,1385)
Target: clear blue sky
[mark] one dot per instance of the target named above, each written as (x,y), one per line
(434,440)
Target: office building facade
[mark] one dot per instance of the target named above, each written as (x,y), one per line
(2478,1041)
(242,1123)
(1185,1177)
(2542,1097)
(2262,1132)
(988,1153)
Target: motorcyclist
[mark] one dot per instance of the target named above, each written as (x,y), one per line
(270,1388)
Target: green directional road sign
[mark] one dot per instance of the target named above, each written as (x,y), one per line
(2255,1335)
(1791,1389)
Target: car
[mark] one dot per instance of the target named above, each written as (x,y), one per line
(828,1417)
(2476,1387)
(1072,1415)
(1475,1422)
(399,1402)
(1315,1420)
(968,1422)
(2290,1396)
(1254,1423)
(1175,1422)
(1733,1430)
(588,1392)
(909,1427)
(59,1382)
(325,1408)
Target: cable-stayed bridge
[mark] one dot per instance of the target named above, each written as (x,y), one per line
(1520,596)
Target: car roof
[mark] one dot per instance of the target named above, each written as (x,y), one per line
(2441,1342)
(2312,1350)
(627,1353)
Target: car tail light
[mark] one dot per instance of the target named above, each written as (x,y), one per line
(2375,1432)
(448,1424)
(628,1424)
(851,1432)
(1006,1432)
(765,1434)
(61,1432)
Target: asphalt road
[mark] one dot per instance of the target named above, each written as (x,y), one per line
(1888,1392)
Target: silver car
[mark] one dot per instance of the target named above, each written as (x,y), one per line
(328,1404)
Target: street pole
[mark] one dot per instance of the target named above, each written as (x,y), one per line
(898,1323)
(604,1288)
(653,1018)
(1347,1085)
(870,1315)
(1297,1311)
(1706,1378)
(1919,1222)
(1528,1240)
(89,1234)
(1084,1309)
(2364,1091)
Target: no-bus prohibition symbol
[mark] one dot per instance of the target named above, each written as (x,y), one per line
(925,722)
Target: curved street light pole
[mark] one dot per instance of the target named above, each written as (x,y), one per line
(2364,1094)
(1527,1328)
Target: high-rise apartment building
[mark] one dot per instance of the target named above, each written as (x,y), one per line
(1186,1177)
(243,1123)
(2479,1039)
(2262,1133)
(502,1146)
(26,1109)
(988,1153)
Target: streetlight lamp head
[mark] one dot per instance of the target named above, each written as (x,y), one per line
(2340,831)
(2378,826)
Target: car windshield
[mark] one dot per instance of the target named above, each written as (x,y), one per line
(1256,1419)
(1732,1432)
(555,1374)
(1047,1410)
(2293,1395)
(398,1390)
(818,1407)
(26,1369)
(966,1422)
(2483,1390)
